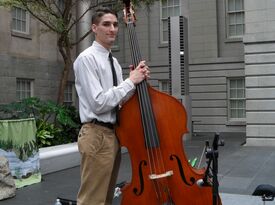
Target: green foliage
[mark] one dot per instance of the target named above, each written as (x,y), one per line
(145,2)
(56,124)
(6,145)
(9,3)
(45,133)
(46,12)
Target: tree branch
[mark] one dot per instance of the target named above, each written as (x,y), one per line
(81,16)
(47,7)
(67,10)
(57,7)
(36,16)
(82,38)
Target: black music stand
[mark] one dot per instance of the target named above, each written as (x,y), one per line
(212,155)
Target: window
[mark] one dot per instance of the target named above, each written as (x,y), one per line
(20,20)
(164,86)
(235,18)
(168,8)
(69,94)
(236,99)
(24,88)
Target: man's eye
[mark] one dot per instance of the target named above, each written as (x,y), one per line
(106,24)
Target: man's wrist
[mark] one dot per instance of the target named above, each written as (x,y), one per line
(130,82)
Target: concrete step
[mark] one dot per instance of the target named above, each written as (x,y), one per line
(238,199)
(60,157)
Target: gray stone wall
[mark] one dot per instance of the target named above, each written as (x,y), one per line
(260,72)
(213,59)
(44,74)
(34,56)
(203,29)
(148,36)
(208,88)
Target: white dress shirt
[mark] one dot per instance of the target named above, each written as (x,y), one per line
(94,85)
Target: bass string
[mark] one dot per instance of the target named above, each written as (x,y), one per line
(148,121)
(143,113)
(154,132)
(135,59)
(143,99)
(148,111)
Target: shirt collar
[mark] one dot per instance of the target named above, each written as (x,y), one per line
(101,49)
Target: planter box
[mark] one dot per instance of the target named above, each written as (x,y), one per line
(56,158)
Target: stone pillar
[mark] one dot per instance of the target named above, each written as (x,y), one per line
(83,25)
(259,71)
(7,185)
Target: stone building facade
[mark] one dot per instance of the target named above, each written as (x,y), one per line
(231,54)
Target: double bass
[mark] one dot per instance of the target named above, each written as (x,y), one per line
(151,126)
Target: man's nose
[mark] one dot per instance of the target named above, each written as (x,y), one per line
(113,27)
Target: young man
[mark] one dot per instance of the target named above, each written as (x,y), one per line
(98,98)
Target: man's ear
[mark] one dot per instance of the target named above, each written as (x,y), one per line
(94,28)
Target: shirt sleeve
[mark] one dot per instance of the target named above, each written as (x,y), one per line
(89,86)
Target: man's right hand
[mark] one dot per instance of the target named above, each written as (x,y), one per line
(140,73)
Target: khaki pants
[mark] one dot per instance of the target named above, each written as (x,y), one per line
(100,160)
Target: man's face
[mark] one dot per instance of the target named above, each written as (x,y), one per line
(106,30)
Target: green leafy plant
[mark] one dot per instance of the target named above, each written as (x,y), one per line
(56,124)
(45,133)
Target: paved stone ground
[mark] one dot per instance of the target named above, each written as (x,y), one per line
(241,169)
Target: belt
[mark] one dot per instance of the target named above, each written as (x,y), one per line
(104,124)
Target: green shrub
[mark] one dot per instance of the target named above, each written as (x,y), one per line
(56,124)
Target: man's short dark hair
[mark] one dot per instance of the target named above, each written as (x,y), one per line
(101,12)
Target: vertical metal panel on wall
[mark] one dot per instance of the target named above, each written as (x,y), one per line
(178,63)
